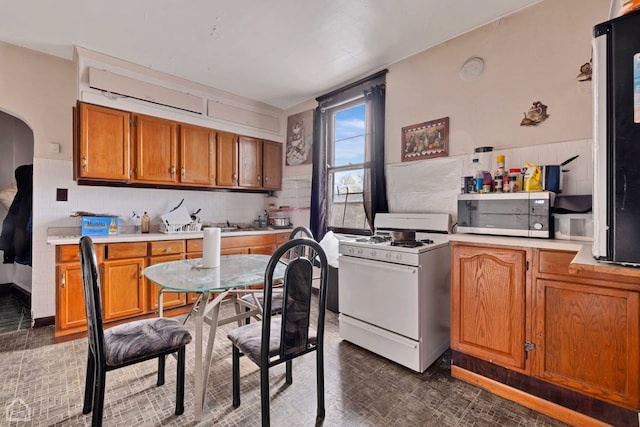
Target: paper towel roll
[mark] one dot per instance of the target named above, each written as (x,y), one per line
(211,248)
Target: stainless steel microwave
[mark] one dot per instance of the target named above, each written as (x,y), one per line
(507,214)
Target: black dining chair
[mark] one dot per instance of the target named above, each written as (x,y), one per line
(124,344)
(297,331)
(276,303)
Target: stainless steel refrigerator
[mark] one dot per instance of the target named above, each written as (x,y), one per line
(616,144)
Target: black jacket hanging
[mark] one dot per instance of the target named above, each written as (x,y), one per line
(15,239)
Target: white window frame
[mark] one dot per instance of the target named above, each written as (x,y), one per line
(333,170)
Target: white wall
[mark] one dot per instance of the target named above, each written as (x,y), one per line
(532,55)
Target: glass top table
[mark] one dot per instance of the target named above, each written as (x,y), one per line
(188,275)
(235,273)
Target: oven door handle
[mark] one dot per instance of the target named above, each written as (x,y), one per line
(380,264)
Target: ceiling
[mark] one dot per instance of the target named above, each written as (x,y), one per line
(280,52)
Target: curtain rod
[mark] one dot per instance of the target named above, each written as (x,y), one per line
(352,85)
(337,104)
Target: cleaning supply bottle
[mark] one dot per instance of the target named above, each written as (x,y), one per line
(145,223)
(478,175)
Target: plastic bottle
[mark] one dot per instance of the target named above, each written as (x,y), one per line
(478,174)
(145,223)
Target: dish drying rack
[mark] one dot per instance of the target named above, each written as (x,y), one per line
(180,228)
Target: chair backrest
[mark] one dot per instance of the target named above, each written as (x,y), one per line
(302,230)
(300,256)
(92,302)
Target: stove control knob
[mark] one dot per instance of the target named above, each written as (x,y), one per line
(373,253)
(537,226)
(350,251)
(399,257)
(388,255)
(359,252)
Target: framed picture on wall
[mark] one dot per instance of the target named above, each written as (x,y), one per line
(425,140)
(299,138)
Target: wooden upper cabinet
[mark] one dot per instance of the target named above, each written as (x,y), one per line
(156,150)
(488,291)
(102,143)
(272,165)
(197,155)
(227,159)
(250,162)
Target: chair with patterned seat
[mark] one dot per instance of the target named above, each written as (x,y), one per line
(297,331)
(125,344)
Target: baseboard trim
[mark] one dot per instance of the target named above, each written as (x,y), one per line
(21,295)
(44,321)
(525,399)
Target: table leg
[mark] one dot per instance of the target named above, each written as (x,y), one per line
(199,379)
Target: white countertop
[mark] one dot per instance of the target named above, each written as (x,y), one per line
(583,261)
(527,242)
(146,237)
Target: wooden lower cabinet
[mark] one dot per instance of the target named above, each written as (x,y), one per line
(126,293)
(123,290)
(70,311)
(582,332)
(587,339)
(488,303)
(169,299)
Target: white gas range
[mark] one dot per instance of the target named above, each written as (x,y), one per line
(394,298)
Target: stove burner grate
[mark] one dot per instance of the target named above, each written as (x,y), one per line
(374,239)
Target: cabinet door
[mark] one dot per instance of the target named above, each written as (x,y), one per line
(227,160)
(123,288)
(587,339)
(169,299)
(488,288)
(70,306)
(156,150)
(272,165)
(103,144)
(250,162)
(197,155)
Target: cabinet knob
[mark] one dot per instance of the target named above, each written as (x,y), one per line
(266,178)
(62,281)
(183,171)
(259,177)
(84,162)
(172,170)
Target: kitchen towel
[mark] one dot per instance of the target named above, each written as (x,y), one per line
(211,248)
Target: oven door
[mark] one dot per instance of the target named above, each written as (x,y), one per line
(381,294)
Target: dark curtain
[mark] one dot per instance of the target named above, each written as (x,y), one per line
(375,184)
(319,199)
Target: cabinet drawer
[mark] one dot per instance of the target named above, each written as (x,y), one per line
(194,245)
(281,238)
(247,241)
(125,250)
(166,247)
(555,262)
(68,253)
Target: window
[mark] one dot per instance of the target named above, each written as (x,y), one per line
(346,145)
(348,185)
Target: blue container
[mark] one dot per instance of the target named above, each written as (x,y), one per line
(99,226)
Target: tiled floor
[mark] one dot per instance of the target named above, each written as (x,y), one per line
(13,315)
(362,389)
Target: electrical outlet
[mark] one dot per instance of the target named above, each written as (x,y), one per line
(62,194)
